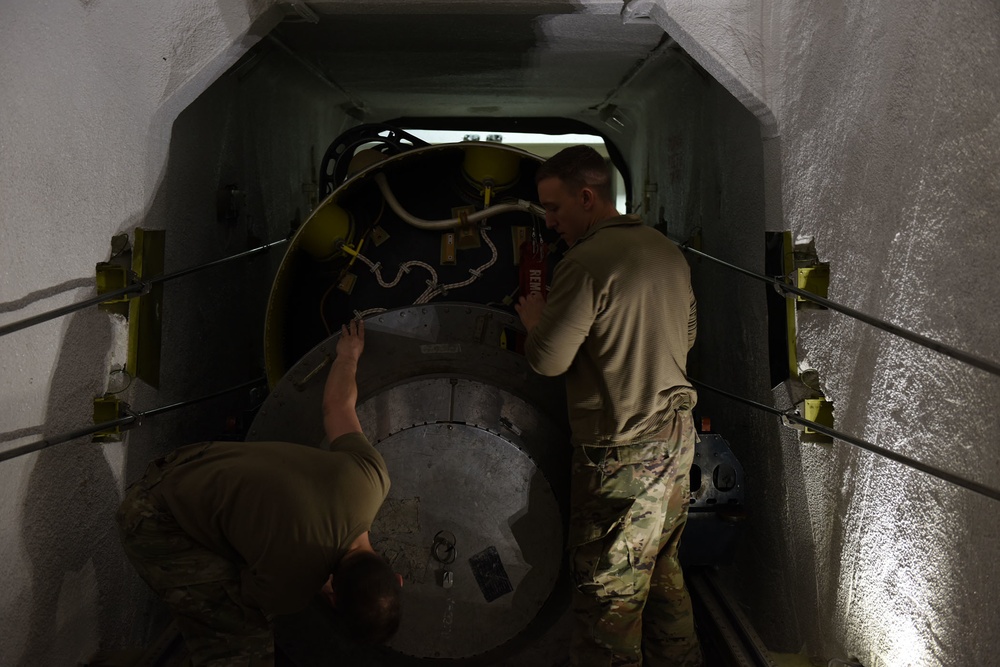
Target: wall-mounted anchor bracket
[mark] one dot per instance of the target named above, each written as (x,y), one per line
(815,279)
(816,410)
(107,408)
(113,277)
(805,271)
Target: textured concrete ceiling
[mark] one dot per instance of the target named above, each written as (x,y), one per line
(471,57)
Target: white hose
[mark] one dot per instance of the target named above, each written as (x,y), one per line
(439,225)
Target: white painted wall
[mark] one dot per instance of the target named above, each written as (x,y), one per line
(92,143)
(888,147)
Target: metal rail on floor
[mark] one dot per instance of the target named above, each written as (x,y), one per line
(728,639)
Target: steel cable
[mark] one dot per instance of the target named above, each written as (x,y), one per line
(128,419)
(134,288)
(944,475)
(920,339)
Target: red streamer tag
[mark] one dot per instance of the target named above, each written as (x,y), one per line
(534,277)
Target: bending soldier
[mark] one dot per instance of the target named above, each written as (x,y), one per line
(230,534)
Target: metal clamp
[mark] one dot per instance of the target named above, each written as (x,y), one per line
(787,420)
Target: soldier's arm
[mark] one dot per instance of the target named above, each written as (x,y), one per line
(340,395)
(569,313)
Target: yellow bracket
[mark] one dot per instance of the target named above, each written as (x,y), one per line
(467,234)
(789,266)
(145,311)
(106,409)
(815,279)
(111,277)
(142,310)
(353,252)
(448,250)
(817,410)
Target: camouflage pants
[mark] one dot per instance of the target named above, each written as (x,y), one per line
(628,509)
(201,588)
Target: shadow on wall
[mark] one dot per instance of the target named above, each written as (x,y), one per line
(68,527)
(20,304)
(39,295)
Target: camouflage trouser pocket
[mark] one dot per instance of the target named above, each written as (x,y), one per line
(602,536)
(605,567)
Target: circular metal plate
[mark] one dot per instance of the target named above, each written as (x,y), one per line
(498,477)
(500,538)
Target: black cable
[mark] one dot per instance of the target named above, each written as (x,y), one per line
(944,475)
(131,418)
(134,288)
(919,339)
(174,406)
(127,385)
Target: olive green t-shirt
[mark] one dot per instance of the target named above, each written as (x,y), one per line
(285,513)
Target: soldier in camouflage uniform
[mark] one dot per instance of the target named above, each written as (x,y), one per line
(200,587)
(619,321)
(231,534)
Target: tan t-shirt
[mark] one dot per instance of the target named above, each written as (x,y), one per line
(619,321)
(285,513)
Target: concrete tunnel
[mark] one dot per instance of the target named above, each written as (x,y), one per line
(867,137)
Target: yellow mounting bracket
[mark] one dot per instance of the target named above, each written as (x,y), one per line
(817,410)
(820,411)
(353,252)
(145,311)
(487,192)
(800,264)
(108,408)
(815,279)
(788,264)
(143,308)
(111,277)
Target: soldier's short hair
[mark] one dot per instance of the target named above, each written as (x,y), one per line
(368,598)
(576,167)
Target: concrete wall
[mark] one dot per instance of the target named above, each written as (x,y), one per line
(887,154)
(93,143)
(882,144)
(699,170)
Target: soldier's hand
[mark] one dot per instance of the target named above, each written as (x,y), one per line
(352,340)
(529,309)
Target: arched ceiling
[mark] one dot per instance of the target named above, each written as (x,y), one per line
(469,57)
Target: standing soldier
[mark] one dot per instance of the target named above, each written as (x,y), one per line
(619,321)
